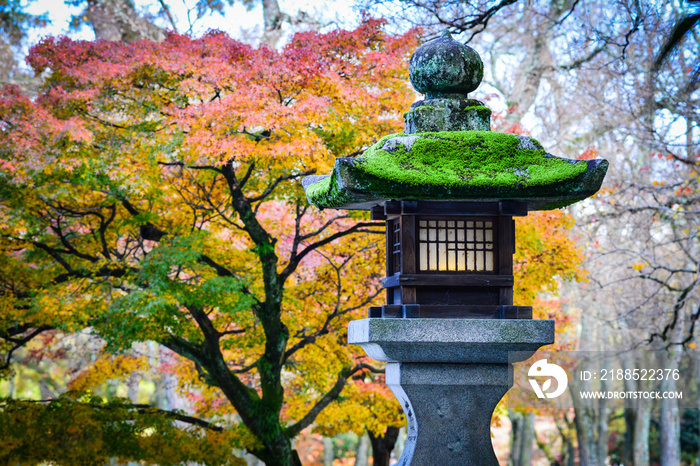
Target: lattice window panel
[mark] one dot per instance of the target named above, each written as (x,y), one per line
(456,246)
(396,247)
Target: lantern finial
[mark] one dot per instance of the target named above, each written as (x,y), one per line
(446,71)
(445,68)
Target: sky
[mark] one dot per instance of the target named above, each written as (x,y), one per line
(237,21)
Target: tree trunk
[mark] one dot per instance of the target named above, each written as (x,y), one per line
(630,413)
(328,454)
(570,452)
(590,416)
(251,460)
(400,443)
(8,64)
(585,432)
(670,421)
(670,433)
(696,364)
(629,433)
(273,19)
(603,416)
(640,447)
(133,385)
(362,454)
(527,440)
(382,446)
(536,66)
(117,20)
(522,438)
(637,415)
(548,453)
(516,422)
(585,418)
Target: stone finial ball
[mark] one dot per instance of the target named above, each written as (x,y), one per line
(444,66)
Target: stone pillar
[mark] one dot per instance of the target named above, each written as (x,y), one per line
(449,375)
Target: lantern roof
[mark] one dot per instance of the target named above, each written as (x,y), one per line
(448,152)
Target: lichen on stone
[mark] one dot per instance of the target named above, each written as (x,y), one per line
(445,67)
(453,117)
(404,141)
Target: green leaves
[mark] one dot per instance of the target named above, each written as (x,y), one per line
(75,429)
(170,280)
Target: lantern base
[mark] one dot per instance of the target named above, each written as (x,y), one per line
(449,375)
(412,311)
(448,410)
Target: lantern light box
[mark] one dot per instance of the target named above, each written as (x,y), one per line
(448,259)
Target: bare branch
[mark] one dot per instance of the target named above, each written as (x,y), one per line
(169,15)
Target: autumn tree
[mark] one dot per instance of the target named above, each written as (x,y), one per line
(151,193)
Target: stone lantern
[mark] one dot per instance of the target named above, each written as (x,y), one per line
(448,189)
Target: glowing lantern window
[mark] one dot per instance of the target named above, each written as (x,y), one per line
(456,245)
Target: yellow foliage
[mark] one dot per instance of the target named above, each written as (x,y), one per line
(544,254)
(107,367)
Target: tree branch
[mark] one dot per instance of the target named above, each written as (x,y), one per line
(166,9)
(138,408)
(296,259)
(276,183)
(9,335)
(325,400)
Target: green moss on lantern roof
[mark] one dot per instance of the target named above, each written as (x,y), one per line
(451,165)
(475,158)
(325,193)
